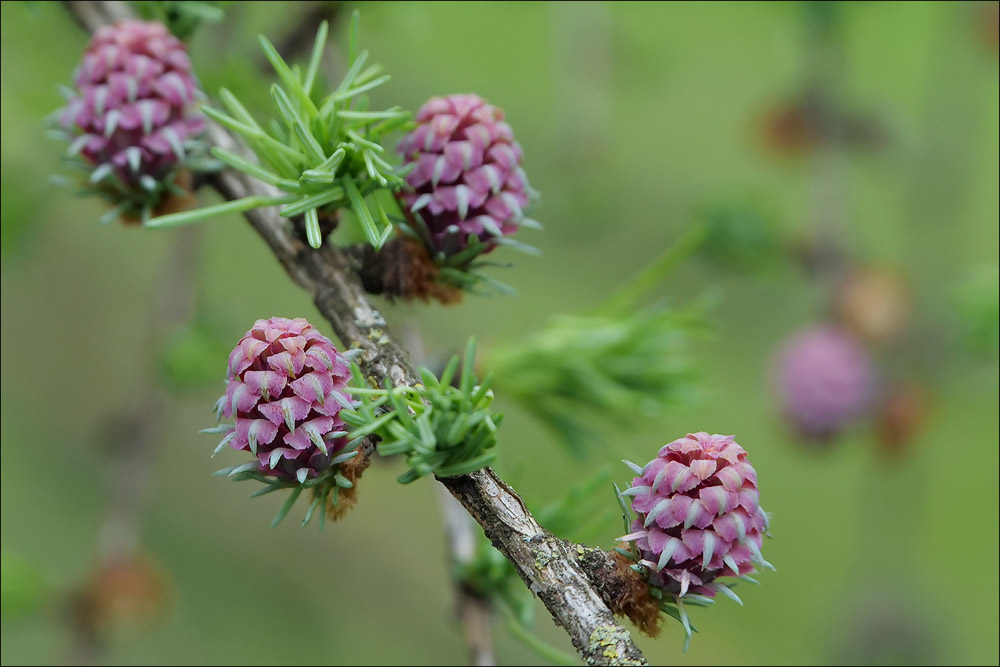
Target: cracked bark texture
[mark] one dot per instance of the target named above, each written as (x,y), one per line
(550,567)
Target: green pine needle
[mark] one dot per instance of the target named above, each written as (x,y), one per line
(442,429)
(323,149)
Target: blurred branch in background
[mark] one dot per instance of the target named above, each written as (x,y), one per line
(298,40)
(182,17)
(818,125)
(870,305)
(823,99)
(550,567)
(474,612)
(583,67)
(122,582)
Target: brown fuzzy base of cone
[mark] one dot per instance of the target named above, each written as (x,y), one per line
(624,591)
(347,498)
(632,598)
(403,269)
(130,591)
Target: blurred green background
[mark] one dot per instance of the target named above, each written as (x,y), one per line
(632,116)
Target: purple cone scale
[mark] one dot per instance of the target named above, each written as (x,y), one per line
(825,380)
(699,515)
(466,177)
(135,102)
(285,391)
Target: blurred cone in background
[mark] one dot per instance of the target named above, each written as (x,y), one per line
(901,416)
(873,303)
(808,121)
(128,592)
(884,628)
(789,129)
(825,382)
(988,20)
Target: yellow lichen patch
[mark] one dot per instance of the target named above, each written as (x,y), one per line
(605,641)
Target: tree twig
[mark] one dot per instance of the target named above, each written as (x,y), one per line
(550,567)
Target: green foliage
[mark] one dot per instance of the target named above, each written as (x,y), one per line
(325,486)
(181,17)
(464,270)
(324,151)
(189,356)
(442,429)
(607,366)
(583,369)
(19,207)
(23,588)
(978,300)
(742,235)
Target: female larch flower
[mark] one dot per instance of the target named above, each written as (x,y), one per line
(286,389)
(699,515)
(133,112)
(466,177)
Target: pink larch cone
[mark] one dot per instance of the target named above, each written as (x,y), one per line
(286,390)
(699,516)
(135,105)
(467,177)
